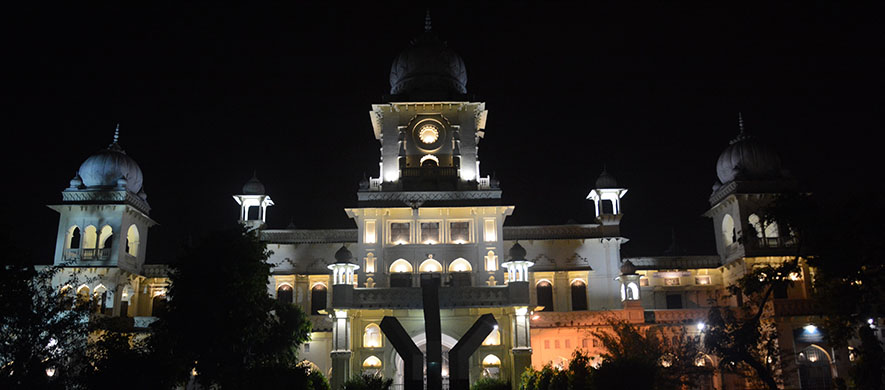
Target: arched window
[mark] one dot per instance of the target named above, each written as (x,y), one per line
(728,232)
(82,294)
(401,266)
(579,295)
(370,263)
(128,292)
(372,365)
(460,265)
(372,336)
(545,295)
(430,265)
(104,238)
(491,366)
(284,293)
(491,261)
(771,230)
(100,296)
(401,274)
(754,221)
(73,238)
(493,338)
(318,296)
(91,237)
(132,240)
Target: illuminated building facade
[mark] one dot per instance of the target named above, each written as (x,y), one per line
(430,210)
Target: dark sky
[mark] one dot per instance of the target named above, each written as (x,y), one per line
(205,95)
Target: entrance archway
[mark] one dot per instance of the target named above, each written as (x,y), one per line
(814,368)
(448,342)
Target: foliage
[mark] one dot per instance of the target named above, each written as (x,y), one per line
(40,327)
(119,357)
(577,376)
(220,320)
(870,360)
(491,384)
(367,381)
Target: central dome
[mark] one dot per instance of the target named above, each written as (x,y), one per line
(104,168)
(746,158)
(428,69)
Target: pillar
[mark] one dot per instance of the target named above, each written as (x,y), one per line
(522,347)
(341,352)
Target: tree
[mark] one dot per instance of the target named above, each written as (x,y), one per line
(653,357)
(220,325)
(41,327)
(367,381)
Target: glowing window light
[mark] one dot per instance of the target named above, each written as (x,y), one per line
(491,361)
(370,232)
(401,266)
(372,336)
(430,265)
(428,134)
(490,233)
(372,362)
(493,338)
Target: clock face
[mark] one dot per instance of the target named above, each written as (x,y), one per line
(428,134)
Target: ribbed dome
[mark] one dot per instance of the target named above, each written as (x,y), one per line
(107,166)
(517,252)
(606,180)
(746,158)
(253,187)
(343,255)
(628,268)
(428,69)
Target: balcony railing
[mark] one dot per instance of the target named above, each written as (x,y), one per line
(775,242)
(430,172)
(87,254)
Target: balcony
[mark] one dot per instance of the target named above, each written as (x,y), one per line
(87,254)
(795,307)
(429,172)
(775,242)
(449,297)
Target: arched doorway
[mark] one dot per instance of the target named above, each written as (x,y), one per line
(814,368)
(448,342)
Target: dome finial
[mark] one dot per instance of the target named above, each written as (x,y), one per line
(117,133)
(741,121)
(427,23)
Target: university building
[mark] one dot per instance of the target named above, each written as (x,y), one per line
(431,210)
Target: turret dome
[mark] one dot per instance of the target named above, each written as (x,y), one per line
(105,168)
(606,180)
(343,255)
(628,268)
(254,186)
(517,252)
(428,69)
(746,158)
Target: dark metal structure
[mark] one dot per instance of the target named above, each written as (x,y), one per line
(459,372)
(413,366)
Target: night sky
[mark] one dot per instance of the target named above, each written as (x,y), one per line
(205,95)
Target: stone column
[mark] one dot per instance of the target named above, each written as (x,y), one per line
(522,347)
(341,352)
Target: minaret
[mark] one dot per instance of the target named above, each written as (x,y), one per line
(253,195)
(629,285)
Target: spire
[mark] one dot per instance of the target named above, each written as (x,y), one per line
(742,135)
(427,23)
(117,133)
(115,146)
(741,122)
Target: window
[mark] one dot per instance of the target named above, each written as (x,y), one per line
(429,233)
(370,232)
(401,266)
(491,366)
(284,293)
(100,295)
(91,238)
(579,295)
(643,281)
(318,295)
(399,232)
(401,274)
(104,239)
(546,344)
(674,301)
(370,263)
(671,281)
(493,338)
(545,295)
(756,224)
(372,336)
(703,280)
(372,365)
(460,265)
(585,343)
(159,305)
(490,234)
(728,232)
(430,265)
(73,241)
(132,240)
(556,344)
(459,232)
(568,343)
(491,261)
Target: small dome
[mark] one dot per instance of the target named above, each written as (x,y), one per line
(343,255)
(517,252)
(107,166)
(253,187)
(628,268)
(746,158)
(428,69)
(606,180)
